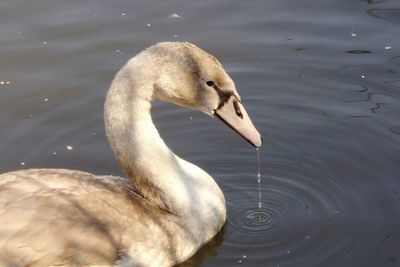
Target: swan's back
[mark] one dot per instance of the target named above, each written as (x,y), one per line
(65,217)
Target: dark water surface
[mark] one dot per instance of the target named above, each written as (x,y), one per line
(321,80)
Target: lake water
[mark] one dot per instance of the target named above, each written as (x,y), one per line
(320,79)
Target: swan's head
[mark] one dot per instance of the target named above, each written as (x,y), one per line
(193,78)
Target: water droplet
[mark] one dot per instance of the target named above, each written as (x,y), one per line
(70,147)
(259,179)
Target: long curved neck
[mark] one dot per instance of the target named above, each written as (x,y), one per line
(162,178)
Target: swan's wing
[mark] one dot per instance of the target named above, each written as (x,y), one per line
(59,217)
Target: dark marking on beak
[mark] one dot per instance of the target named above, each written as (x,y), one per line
(237,109)
(223,96)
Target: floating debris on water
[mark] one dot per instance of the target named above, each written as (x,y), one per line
(5,82)
(148,25)
(70,147)
(123,14)
(362,76)
(358,51)
(388,47)
(175,16)
(119,51)
(22,163)
(45,43)
(353,33)
(46,100)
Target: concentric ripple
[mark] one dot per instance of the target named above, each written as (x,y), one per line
(297,215)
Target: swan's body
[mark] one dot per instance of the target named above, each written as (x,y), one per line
(168,207)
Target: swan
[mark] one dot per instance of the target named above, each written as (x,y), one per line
(165,209)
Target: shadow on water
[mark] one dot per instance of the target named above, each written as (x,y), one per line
(209,250)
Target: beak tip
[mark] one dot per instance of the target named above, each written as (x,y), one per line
(258,143)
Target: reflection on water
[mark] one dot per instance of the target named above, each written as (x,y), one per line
(392,15)
(320,80)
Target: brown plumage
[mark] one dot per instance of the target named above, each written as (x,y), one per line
(160,215)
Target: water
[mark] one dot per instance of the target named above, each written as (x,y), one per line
(320,80)
(259,179)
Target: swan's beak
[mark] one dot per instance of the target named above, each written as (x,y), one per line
(235,116)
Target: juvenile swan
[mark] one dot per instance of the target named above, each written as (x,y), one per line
(164,212)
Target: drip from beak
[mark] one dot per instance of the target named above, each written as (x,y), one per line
(235,116)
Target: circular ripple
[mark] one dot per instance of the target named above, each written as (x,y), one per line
(298,216)
(257,218)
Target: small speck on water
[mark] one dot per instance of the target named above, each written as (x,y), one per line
(239,261)
(46,100)
(288,252)
(244,256)
(174,16)
(362,76)
(307,236)
(70,147)
(123,14)
(176,36)
(352,33)
(148,25)
(5,82)
(22,163)
(45,43)
(119,51)
(54,153)
(388,47)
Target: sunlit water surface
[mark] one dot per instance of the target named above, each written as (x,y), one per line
(319,78)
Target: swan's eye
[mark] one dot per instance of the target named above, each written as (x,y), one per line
(210,83)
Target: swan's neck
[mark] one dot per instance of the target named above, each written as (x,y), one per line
(162,178)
